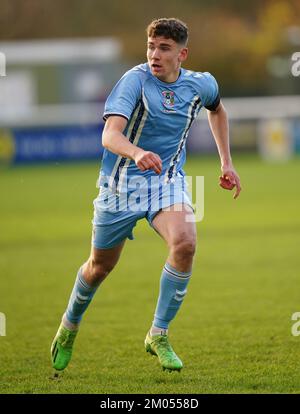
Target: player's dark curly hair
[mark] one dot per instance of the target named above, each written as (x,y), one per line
(171,28)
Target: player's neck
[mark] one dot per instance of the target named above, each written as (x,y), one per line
(171,77)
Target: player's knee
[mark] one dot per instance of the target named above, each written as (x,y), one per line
(99,270)
(184,247)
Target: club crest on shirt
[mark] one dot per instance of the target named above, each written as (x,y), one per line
(168,98)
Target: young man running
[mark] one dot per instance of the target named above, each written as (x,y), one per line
(147,119)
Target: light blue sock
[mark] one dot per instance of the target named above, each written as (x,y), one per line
(80,299)
(173,287)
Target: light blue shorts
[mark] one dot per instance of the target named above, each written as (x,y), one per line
(115,216)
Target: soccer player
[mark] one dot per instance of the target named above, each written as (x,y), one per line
(147,117)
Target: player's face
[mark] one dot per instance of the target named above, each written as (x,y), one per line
(165,57)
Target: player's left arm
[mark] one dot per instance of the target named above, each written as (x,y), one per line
(218,122)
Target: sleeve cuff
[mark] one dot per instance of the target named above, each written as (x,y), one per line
(108,114)
(215,104)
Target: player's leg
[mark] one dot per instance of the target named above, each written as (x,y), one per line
(89,277)
(110,230)
(176,226)
(180,235)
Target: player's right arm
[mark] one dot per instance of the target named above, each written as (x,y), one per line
(115,141)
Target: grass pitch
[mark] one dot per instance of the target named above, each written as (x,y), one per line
(233,331)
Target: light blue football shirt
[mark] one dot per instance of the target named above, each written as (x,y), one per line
(159,118)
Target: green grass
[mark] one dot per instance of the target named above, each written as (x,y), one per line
(234,329)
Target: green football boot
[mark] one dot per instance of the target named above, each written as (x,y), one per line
(62,347)
(159,345)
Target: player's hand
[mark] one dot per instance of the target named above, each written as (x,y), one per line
(147,160)
(230,179)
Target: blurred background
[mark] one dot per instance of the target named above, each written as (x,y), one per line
(234,331)
(63,58)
